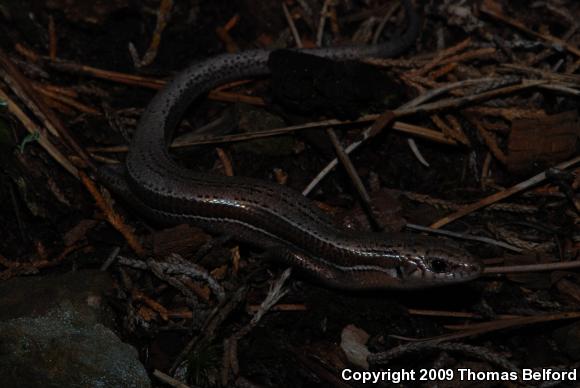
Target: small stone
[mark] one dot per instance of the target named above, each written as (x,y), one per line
(55,331)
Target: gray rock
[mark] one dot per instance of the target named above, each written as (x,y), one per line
(55,331)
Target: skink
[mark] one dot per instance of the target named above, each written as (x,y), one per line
(287,225)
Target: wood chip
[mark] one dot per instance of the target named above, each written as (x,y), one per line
(182,239)
(549,140)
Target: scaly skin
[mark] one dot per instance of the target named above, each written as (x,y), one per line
(269,215)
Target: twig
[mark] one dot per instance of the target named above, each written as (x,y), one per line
(124,78)
(140,296)
(111,258)
(112,216)
(353,175)
(32,128)
(147,82)
(415,149)
(422,132)
(306,12)
(67,100)
(561,89)
(163,16)
(226,162)
(216,318)
(443,70)
(449,205)
(501,195)
(439,55)
(223,34)
(475,54)
(454,314)
(322,21)
(465,236)
(15,268)
(293,28)
(475,329)
(26,52)
(409,108)
(490,141)
(159,271)
(383,23)
(464,100)
(545,74)
(520,26)
(451,128)
(277,291)
(532,267)
(52,37)
(285,307)
(23,88)
(236,97)
(181,268)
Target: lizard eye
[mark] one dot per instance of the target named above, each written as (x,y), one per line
(439,266)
